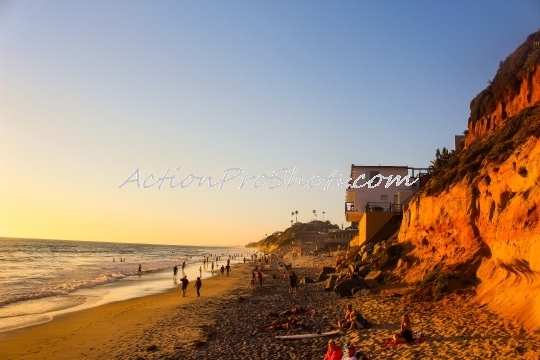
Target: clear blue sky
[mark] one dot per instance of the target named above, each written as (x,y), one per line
(92,90)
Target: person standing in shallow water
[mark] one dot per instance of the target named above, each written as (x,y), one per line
(140,269)
(198,285)
(175,271)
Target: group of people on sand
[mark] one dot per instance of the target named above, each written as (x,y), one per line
(286,320)
(185,283)
(353,319)
(256,276)
(335,352)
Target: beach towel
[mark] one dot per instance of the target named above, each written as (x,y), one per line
(418,337)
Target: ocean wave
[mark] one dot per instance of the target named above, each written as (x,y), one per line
(69,286)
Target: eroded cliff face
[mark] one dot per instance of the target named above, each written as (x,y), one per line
(492,227)
(486,225)
(528,95)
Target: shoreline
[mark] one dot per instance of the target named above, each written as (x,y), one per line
(30,312)
(225,321)
(91,332)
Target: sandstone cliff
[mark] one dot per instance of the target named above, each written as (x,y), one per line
(479,217)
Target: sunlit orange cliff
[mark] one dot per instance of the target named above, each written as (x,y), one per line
(478,217)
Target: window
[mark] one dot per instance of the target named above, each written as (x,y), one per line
(371,174)
(384,197)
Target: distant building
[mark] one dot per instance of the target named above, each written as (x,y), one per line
(336,235)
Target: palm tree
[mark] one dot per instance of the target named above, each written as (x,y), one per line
(296,212)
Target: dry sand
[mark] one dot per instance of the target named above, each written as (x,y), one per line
(223,325)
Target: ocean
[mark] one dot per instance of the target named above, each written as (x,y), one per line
(42,278)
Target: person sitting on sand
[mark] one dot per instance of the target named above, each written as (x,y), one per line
(334,351)
(353,319)
(406,334)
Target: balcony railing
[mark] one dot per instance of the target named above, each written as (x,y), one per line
(379,206)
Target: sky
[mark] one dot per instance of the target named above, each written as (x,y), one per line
(93,91)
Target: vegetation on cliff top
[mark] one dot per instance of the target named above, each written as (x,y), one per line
(517,67)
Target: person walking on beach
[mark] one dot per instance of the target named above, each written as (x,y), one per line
(212,267)
(228,268)
(175,271)
(198,285)
(292,283)
(185,284)
(253,278)
(222,270)
(140,269)
(200,271)
(259,275)
(183,266)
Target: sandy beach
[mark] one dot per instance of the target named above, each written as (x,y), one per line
(124,329)
(223,323)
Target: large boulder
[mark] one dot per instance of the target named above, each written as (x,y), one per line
(376,249)
(328,270)
(362,292)
(372,284)
(365,257)
(323,277)
(306,280)
(374,275)
(344,288)
(357,289)
(325,271)
(363,271)
(330,282)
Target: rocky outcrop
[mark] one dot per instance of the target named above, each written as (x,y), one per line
(528,95)
(493,227)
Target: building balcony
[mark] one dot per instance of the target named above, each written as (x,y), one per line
(351,213)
